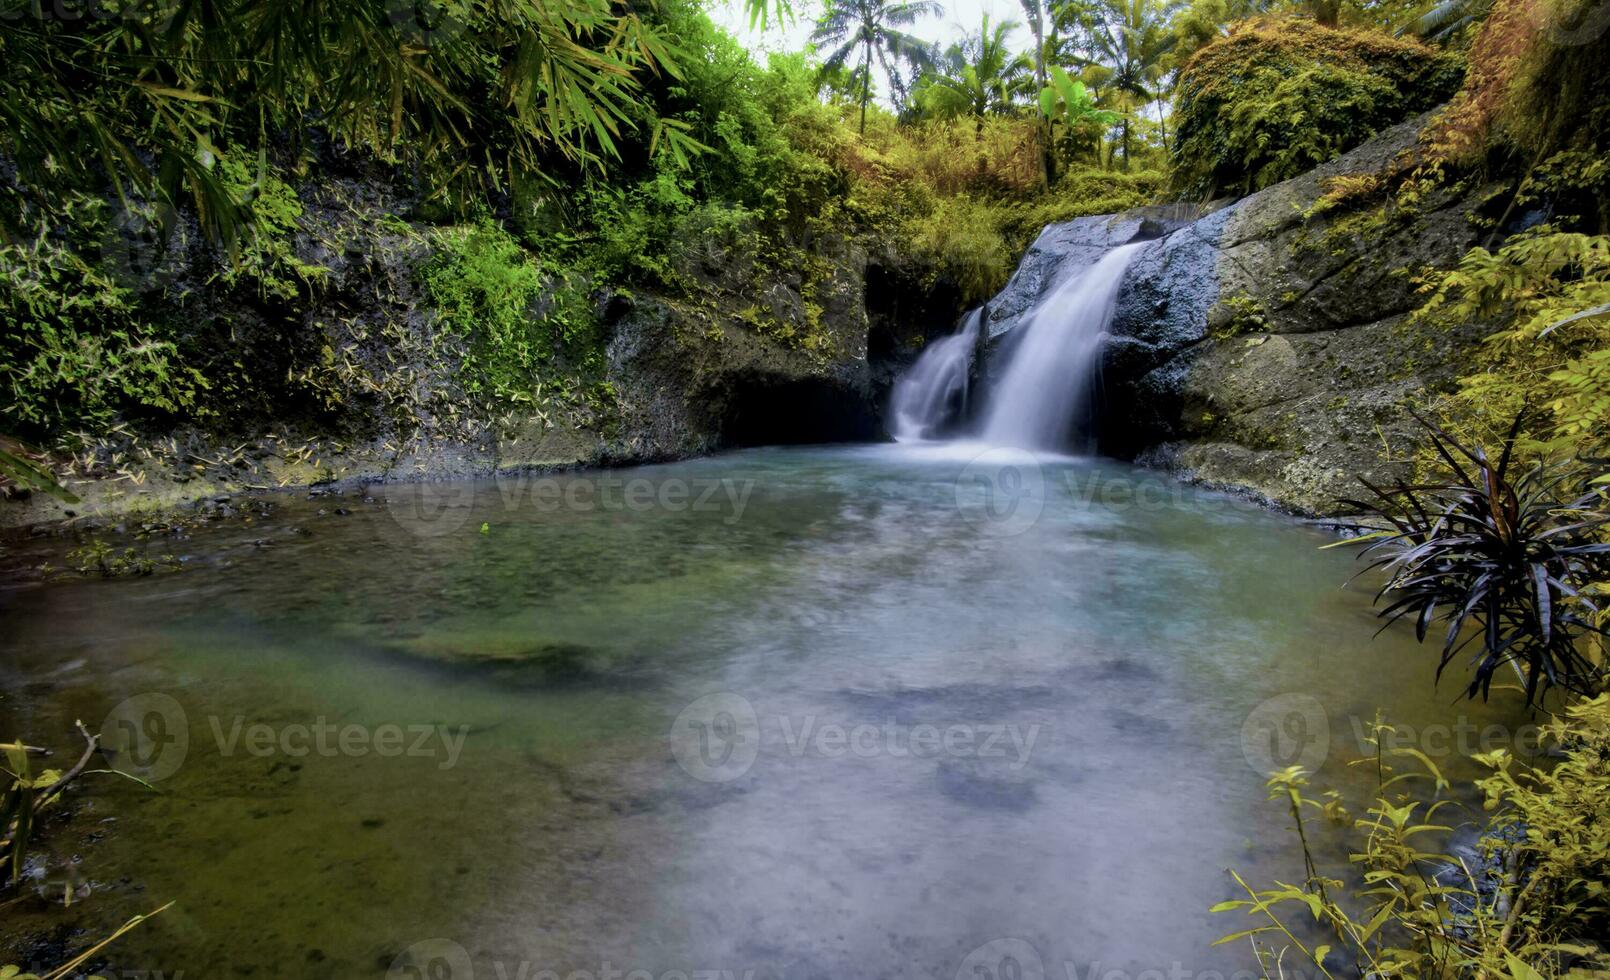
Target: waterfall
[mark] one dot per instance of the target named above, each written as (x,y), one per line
(1036,400)
(933,391)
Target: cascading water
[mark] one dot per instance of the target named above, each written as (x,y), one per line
(1035,401)
(933,391)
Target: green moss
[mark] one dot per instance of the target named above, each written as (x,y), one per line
(519,320)
(1247,315)
(1278,96)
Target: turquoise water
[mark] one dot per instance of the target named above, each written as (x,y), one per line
(840,712)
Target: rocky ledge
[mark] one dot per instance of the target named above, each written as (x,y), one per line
(1267,345)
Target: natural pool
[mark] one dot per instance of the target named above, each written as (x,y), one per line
(826,712)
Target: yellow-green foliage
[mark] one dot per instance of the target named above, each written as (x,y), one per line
(1417,912)
(1535,84)
(517,318)
(1079,192)
(962,236)
(1556,824)
(266,258)
(1551,292)
(74,351)
(959,221)
(1278,96)
(989,155)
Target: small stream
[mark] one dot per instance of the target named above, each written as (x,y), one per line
(882,711)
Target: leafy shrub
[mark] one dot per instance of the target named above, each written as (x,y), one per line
(1080,192)
(266,259)
(962,239)
(1553,825)
(1535,85)
(1530,912)
(1551,289)
(487,289)
(1505,561)
(1276,97)
(994,155)
(74,352)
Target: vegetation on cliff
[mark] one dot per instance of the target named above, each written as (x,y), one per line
(1278,96)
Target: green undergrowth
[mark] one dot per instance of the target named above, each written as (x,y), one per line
(1534,904)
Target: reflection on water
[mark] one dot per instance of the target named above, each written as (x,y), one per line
(872,712)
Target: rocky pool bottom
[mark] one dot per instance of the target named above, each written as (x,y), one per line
(882,711)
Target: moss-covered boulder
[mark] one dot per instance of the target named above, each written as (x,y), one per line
(1278,96)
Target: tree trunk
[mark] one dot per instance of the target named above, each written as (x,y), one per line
(866,85)
(1126,142)
(1327,12)
(1042,128)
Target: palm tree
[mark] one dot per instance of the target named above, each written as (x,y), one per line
(1443,22)
(1129,40)
(872,28)
(1043,26)
(977,76)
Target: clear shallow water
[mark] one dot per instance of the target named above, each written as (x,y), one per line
(852,712)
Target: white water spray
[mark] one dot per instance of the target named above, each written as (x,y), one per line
(1036,401)
(933,390)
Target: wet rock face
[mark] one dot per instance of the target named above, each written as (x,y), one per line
(1264,348)
(1063,249)
(693,378)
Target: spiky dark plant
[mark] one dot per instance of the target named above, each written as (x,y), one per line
(1504,561)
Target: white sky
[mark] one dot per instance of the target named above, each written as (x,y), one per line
(961,17)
